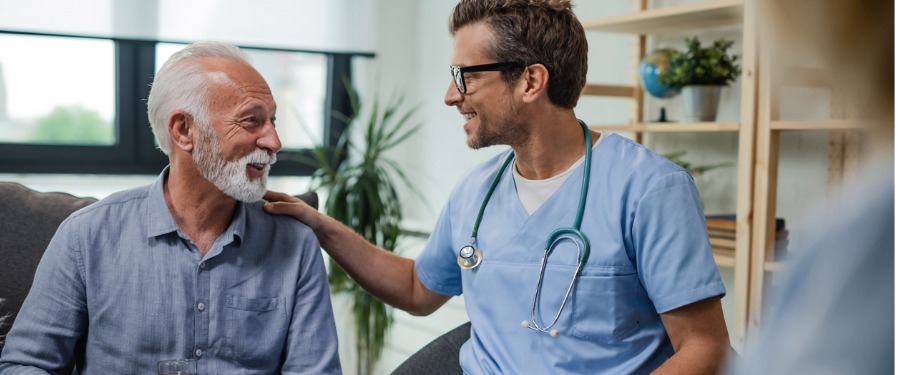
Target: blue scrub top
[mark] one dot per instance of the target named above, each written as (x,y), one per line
(649,254)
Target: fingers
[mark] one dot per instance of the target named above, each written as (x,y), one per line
(280,203)
(283,204)
(274,208)
(274,196)
(297,209)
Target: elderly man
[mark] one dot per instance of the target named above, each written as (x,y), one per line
(190,266)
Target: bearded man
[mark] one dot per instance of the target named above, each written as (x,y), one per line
(189,266)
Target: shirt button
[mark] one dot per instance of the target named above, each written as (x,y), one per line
(198,352)
(203,265)
(201,306)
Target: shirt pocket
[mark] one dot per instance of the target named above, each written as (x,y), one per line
(255,327)
(605,307)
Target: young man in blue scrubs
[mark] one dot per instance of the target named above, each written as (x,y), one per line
(648,294)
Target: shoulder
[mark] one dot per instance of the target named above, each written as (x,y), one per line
(623,159)
(276,226)
(632,155)
(125,200)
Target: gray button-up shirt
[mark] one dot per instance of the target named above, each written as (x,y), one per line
(120,287)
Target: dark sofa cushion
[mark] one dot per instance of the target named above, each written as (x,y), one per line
(28,220)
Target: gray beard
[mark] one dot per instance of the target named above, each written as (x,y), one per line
(231,176)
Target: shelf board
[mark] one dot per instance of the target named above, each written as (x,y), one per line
(673,19)
(818,125)
(723,260)
(671,127)
(609,90)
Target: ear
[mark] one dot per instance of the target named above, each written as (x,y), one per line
(535,78)
(181,130)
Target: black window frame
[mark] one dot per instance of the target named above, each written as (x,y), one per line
(135,152)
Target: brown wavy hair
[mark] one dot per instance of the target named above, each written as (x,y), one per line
(533,32)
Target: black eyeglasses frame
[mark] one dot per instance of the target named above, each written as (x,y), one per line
(457,72)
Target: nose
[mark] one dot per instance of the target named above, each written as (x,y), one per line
(452,96)
(269,139)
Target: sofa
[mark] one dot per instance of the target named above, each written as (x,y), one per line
(28,220)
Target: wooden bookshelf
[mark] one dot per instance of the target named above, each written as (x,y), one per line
(680,18)
(610,90)
(817,125)
(646,22)
(723,260)
(671,127)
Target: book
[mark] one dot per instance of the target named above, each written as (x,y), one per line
(724,222)
(715,232)
(727,221)
(728,243)
(723,251)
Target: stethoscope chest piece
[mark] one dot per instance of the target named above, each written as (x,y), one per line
(469,257)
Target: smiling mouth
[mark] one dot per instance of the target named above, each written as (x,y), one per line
(468,116)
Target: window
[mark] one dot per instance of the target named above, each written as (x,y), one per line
(45,102)
(74,104)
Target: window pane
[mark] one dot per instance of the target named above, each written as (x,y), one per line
(56,90)
(297,81)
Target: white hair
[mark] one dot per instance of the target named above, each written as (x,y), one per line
(181,84)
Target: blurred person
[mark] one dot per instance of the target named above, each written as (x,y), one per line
(834,310)
(630,287)
(189,266)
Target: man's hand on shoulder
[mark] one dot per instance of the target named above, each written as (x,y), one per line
(285,204)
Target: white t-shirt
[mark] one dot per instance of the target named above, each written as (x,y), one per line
(533,193)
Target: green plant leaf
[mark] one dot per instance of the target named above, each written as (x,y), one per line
(362,194)
(701,65)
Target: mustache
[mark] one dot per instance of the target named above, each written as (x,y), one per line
(259,156)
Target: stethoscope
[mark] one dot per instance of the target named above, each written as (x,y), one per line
(470,257)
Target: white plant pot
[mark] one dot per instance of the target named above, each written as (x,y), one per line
(700,102)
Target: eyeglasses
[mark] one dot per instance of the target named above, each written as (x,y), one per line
(458,72)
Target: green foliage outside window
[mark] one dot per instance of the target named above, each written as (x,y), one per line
(73,125)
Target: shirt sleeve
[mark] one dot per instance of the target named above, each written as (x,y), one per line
(436,266)
(53,317)
(674,259)
(312,338)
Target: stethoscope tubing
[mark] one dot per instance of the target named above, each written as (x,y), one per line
(572,233)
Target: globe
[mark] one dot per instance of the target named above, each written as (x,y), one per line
(650,68)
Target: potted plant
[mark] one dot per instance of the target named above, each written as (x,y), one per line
(362,194)
(701,72)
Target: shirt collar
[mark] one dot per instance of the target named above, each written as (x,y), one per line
(161,222)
